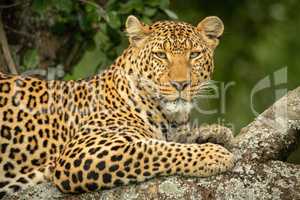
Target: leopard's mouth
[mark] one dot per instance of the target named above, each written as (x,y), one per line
(178,99)
(184,96)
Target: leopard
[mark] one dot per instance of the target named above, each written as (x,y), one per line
(123,125)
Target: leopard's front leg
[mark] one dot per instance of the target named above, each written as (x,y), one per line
(104,160)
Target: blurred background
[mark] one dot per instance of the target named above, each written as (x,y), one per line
(73,39)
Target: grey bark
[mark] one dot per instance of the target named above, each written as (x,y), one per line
(259,172)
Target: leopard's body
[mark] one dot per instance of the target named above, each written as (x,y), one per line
(112,129)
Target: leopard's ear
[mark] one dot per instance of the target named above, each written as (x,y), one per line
(136,31)
(212,28)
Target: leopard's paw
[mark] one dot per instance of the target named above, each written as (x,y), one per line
(212,133)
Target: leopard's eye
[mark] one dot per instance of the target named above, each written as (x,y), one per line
(194,55)
(161,55)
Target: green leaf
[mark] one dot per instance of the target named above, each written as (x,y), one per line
(128,8)
(83,22)
(164,4)
(114,19)
(170,14)
(30,59)
(146,20)
(40,6)
(102,40)
(63,5)
(153,3)
(88,64)
(112,5)
(149,11)
(92,13)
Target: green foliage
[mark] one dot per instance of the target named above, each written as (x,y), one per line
(90,60)
(30,59)
(99,29)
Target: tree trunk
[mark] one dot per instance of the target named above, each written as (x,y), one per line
(259,173)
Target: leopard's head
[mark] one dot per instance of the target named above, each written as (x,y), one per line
(174,58)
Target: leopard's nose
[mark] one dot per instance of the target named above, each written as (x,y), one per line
(180,85)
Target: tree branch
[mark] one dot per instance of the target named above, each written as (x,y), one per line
(5,48)
(257,174)
(273,132)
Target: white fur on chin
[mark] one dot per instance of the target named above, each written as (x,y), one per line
(177,111)
(178,107)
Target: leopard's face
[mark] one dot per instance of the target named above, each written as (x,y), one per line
(175,59)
